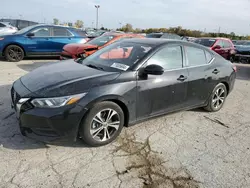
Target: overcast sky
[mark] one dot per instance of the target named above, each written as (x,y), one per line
(229,15)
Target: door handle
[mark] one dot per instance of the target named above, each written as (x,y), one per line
(182,78)
(215,71)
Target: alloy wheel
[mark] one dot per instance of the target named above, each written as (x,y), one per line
(218,98)
(104,125)
(15,53)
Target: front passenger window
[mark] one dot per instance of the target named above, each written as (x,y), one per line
(169,58)
(41,32)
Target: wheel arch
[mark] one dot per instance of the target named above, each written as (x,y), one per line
(119,100)
(13,43)
(227,86)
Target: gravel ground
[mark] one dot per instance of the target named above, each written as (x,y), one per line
(182,150)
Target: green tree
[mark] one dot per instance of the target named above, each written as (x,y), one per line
(127,28)
(56,21)
(79,24)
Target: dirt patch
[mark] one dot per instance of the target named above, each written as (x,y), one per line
(149,165)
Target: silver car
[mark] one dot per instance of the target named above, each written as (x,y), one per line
(6,28)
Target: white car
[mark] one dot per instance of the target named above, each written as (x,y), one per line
(6,28)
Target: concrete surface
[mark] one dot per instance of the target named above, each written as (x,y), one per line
(182,150)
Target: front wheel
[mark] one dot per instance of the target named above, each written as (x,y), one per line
(14,53)
(217,98)
(102,124)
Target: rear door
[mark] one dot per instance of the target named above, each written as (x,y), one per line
(228,48)
(202,76)
(60,37)
(222,50)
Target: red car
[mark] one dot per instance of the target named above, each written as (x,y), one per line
(222,46)
(83,50)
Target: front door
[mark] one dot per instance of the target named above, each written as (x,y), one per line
(163,93)
(40,42)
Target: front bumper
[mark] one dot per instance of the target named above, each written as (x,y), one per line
(65,55)
(47,125)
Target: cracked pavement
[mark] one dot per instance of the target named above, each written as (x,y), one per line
(186,149)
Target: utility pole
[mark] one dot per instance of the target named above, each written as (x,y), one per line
(97,8)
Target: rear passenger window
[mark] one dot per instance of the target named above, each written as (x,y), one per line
(195,56)
(61,32)
(220,43)
(209,56)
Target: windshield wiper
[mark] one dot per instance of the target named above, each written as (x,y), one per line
(94,66)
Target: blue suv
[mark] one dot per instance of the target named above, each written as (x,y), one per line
(39,40)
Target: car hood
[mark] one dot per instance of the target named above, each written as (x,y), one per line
(75,49)
(65,78)
(8,35)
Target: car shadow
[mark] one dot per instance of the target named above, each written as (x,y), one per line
(10,135)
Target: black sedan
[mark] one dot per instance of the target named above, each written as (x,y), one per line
(126,82)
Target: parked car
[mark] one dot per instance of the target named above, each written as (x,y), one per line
(39,40)
(7,28)
(96,99)
(83,50)
(222,46)
(243,52)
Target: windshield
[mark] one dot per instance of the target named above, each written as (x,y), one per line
(118,57)
(154,35)
(170,36)
(100,41)
(205,42)
(24,30)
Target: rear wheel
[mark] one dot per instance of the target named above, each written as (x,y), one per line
(217,98)
(14,53)
(102,124)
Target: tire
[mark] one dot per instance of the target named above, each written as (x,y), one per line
(217,96)
(92,129)
(14,53)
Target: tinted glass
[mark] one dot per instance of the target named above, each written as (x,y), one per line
(2,25)
(100,41)
(61,32)
(209,56)
(41,32)
(119,56)
(205,42)
(195,56)
(153,35)
(80,32)
(170,36)
(168,57)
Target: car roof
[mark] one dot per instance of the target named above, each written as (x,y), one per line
(157,42)
(214,38)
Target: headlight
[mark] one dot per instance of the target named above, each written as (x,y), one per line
(56,102)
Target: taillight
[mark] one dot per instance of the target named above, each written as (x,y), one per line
(234,68)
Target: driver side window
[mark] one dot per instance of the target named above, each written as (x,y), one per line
(169,58)
(41,32)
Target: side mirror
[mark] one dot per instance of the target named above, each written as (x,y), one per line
(154,69)
(30,35)
(217,47)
